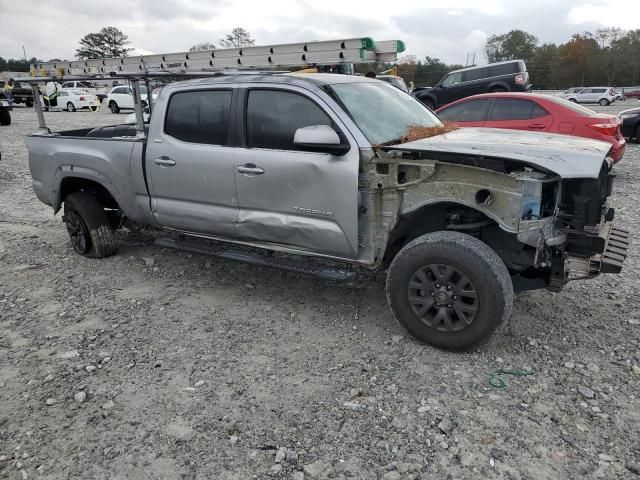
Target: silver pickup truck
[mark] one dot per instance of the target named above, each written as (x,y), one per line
(316,165)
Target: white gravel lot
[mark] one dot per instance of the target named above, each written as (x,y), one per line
(198,368)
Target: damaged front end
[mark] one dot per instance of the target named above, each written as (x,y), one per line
(579,240)
(549,227)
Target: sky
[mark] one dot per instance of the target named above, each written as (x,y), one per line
(452,30)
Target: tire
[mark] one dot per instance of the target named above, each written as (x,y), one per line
(604,102)
(113,106)
(29,103)
(463,264)
(71,107)
(5,117)
(88,226)
(497,90)
(573,100)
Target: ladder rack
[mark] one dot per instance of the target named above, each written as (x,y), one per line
(305,54)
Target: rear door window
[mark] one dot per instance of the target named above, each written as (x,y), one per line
(471,111)
(475,74)
(199,117)
(516,109)
(273,116)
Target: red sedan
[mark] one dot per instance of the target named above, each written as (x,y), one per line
(535,112)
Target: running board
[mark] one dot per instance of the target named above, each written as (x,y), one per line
(202,248)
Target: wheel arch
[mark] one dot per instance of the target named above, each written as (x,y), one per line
(500,84)
(428,218)
(75,183)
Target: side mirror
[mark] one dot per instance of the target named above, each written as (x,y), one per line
(320,138)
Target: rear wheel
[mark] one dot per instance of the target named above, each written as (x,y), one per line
(88,226)
(71,107)
(450,290)
(113,106)
(604,102)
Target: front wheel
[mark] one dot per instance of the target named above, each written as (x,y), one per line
(573,100)
(88,226)
(450,290)
(71,107)
(113,106)
(604,102)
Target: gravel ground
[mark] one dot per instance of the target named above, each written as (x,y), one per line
(158,364)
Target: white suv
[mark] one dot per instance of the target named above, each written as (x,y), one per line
(121,97)
(601,95)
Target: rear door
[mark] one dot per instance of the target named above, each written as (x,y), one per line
(468,113)
(289,196)
(190,165)
(519,114)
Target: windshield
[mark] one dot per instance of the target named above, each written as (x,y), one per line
(383,112)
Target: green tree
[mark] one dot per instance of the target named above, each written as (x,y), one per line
(108,42)
(577,59)
(542,66)
(238,38)
(202,46)
(515,45)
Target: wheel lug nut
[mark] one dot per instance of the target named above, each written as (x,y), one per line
(449,306)
(433,294)
(455,297)
(437,285)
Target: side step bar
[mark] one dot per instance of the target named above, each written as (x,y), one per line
(203,248)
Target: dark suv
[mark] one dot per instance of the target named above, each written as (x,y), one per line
(21,94)
(510,76)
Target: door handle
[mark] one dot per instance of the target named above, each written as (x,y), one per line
(250,168)
(538,126)
(164,162)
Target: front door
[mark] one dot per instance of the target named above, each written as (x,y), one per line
(288,196)
(189,165)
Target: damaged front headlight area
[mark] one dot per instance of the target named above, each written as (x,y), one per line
(570,225)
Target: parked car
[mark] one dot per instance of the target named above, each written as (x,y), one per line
(632,94)
(510,76)
(619,94)
(121,98)
(21,93)
(601,95)
(72,99)
(5,109)
(631,123)
(397,82)
(316,165)
(536,112)
(88,86)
